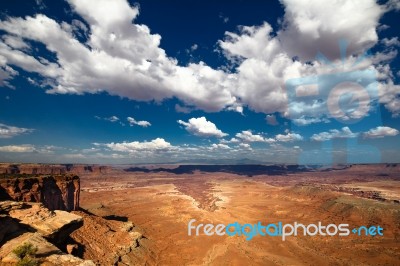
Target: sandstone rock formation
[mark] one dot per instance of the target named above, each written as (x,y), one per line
(112,242)
(50,253)
(32,223)
(53,225)
(78,233)
(55,192)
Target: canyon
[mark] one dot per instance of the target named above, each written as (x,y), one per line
(56,192)
(138,215)
(162,199)
(52,169)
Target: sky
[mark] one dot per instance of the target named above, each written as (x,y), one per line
(151,81)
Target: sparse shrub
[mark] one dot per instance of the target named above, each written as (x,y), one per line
(26,253)
(28,261)
(27,249)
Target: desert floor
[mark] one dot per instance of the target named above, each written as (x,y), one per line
(161,204)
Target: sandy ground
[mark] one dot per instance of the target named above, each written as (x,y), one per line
(162,204)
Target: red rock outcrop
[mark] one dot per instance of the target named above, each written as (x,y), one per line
(55,192)
(48,231)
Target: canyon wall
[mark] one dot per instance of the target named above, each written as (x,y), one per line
(52,169)
(55,192)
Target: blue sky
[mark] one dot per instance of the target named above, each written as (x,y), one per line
(168,81)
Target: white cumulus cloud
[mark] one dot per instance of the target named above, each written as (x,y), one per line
(17,148)
(120,57)
(288,137)
(220,146)
(112,119)
(391,42)
(317,26)
(133,122)
(245,146)
(248,136)
(304,121)
(124,58)
(7,131)
(380,132)
(345,132)
(154,145)
(202,128)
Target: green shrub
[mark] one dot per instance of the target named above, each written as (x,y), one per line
(28,261)
(26,253)
(27,249)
